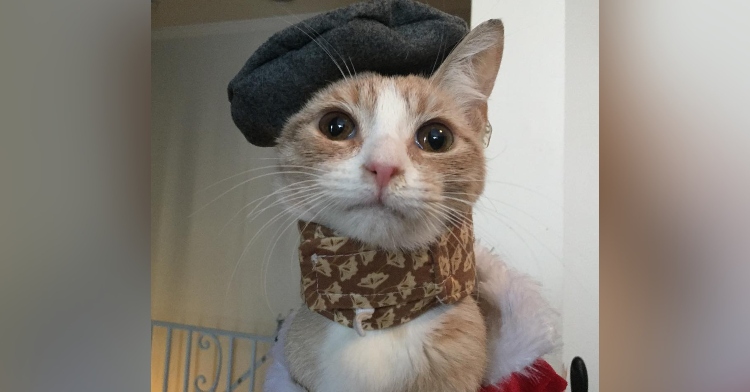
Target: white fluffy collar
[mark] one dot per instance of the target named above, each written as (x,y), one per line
(525,332)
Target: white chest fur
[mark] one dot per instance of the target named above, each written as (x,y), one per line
(381,360)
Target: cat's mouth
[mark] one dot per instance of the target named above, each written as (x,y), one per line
(379,206)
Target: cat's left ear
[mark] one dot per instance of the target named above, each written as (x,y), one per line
(470,70)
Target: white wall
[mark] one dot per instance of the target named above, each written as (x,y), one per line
(198,276)
(521,213)
(543,166)
(581,291)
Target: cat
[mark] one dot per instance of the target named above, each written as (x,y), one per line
(392,161)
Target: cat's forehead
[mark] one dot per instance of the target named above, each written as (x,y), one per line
(368,93)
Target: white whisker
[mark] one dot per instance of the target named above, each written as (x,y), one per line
(277,192)
(274,218)
(272,167)
(245,182)
(296,26)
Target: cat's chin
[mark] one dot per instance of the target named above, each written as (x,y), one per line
(384,227)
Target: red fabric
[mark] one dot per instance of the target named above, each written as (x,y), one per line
(541,378)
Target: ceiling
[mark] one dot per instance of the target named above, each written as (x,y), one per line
(167,13)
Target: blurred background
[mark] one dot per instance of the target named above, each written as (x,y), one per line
(75,202)
(223,258)
(675,184)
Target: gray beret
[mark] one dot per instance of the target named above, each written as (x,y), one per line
(390,37)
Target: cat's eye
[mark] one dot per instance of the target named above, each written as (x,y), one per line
(337,126)
(434,137)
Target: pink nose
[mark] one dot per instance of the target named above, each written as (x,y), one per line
(383,173)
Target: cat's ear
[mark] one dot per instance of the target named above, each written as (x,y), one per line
(470,70)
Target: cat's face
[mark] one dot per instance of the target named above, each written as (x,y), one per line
(388,160)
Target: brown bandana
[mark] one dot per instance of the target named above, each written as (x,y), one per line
(342,277)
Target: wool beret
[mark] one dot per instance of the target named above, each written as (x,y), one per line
(389,37)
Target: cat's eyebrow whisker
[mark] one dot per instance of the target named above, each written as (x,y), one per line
(431,80)
(296,26)
(352,62)
(311,29)
(245,182)
(333,48)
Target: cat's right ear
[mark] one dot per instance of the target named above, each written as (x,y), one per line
(469,72)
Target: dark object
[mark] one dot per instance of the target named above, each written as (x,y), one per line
(390,37)
(579,377)
(540,377)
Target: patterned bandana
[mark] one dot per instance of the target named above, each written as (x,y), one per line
(366,288)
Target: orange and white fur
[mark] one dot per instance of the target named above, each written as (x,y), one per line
(392,161)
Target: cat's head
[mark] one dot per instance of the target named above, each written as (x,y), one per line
(392,161)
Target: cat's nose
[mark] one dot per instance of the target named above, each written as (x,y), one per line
(383,173)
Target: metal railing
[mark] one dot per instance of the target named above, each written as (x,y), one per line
(206,338)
